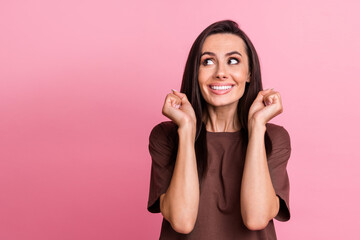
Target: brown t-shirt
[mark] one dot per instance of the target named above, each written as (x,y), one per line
(219,215)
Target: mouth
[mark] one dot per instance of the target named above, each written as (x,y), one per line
(221,89)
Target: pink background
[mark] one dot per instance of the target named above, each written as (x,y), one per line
(82,84)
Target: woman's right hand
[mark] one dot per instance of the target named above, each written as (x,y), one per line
(178,108)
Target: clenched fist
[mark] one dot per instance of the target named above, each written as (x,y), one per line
(266,106)
(178,108)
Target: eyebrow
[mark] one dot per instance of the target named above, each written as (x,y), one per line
(227,54)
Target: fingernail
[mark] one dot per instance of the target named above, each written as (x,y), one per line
(173,90)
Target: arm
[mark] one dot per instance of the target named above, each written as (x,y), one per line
(179,205)
(259,203)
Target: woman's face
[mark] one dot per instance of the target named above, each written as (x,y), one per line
(224,69)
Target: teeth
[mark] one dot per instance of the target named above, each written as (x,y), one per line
(221,87)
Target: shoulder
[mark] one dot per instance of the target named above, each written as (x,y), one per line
(165,133)
(163,141)
(166,128)
(278,135)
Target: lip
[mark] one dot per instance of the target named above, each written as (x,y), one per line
(221,92)
(221,84)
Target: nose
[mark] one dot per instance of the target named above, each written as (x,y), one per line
(221,72)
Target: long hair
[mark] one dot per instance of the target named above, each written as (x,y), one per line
(190,86)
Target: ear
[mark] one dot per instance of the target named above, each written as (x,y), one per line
(248,77)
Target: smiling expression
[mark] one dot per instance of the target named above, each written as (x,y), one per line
(224,69)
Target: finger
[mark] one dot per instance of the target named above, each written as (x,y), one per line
(272,97)
(259,97)
(173,97)
(268,101)
(173,100)
(266,91)
(182,96)
(176,103)
(274,102)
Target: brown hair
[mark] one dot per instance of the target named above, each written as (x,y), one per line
(190,86)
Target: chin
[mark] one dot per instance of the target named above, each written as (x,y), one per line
(223,104)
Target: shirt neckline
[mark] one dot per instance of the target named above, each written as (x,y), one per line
(229,135)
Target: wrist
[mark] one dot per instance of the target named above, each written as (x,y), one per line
(255,127)
(187,131)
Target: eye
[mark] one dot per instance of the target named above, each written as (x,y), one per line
(207,61)
(234,61)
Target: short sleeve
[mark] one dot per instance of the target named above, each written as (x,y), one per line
(277,162)
(163,150)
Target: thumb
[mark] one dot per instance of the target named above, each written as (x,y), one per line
(182,96)
(262,94)
(259,96)
(266,91)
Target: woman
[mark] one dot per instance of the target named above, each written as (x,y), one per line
(218,167)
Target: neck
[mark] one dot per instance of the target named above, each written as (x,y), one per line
(221,119)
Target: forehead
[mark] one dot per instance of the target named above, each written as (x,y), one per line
(223,42)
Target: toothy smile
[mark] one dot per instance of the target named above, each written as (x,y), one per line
(221,87)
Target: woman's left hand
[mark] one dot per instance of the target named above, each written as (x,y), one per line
(266,106)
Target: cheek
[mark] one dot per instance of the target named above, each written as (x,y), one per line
(240,72)
(206,73)
(201,82)
(201,77)
(241,76)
